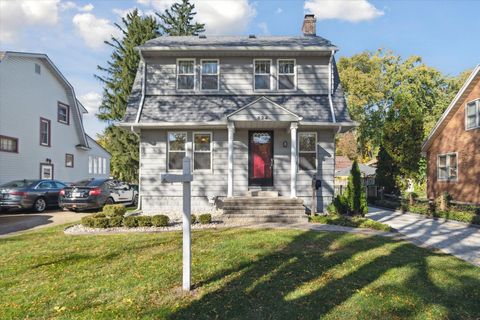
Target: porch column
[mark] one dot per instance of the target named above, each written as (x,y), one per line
(294,159)
(231,131)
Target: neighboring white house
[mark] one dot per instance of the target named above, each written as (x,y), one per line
(41,124)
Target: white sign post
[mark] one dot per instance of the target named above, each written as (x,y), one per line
(186,178)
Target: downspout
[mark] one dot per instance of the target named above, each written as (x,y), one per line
(137,120)
(330,85)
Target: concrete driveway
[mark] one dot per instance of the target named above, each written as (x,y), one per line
(14,222)
(456,238)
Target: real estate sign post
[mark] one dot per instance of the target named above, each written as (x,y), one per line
(186,178)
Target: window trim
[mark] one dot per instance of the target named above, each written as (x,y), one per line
(294,75)
(187,74)
(447,165)
(49,132)
(11,138)
(48,165)
(67,107)
(315,152)
(73,160)
(210,133)
(271,75)
(218,75)
(477,114)
(168,150)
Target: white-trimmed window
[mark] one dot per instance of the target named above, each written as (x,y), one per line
(209,74)
(186,74)
(286,75)
(307,151)
(45,132)
(63,113)
(262,79)
(97,165)
(447,165)
(202,151)
(472,114)
(177,148)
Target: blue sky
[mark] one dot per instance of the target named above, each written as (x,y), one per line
(444,33)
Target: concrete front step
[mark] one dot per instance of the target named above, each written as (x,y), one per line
(262,193)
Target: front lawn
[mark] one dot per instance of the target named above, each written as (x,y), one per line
(353,222)
(239,274)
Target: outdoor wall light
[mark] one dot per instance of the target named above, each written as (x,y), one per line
(285,144)
(48,160)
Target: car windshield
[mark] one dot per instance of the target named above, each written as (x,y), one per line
(17,184)
(89,183)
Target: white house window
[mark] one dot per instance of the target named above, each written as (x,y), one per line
(202,151)
(307,151)
(473,114)
(63,113)
(177,148)
(45,132)
(447,166)
(97,165)
(209,74)
(8,144)
(186,74)
(286,74)
(262,78)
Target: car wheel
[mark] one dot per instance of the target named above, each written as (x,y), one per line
(109,201)
(135,201)
(40,205)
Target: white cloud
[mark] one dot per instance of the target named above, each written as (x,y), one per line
(279,10)
(353,11)
(122,13)
(68,5)
(94,30)
(15,16)
(91,101)
(263,28)
(219,16)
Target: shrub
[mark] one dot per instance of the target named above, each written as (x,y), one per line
(112,210)
(99,215)
(193,219)
(355,192)
(115,222)
(88,221)
(101,223)
(355,222)
(144,221)
(205,218)
(160,220)
(341,204)
(331,209)
(130,222)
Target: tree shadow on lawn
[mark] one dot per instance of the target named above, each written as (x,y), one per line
(310,277)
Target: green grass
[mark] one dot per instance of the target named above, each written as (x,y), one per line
(238,274)
(354,222)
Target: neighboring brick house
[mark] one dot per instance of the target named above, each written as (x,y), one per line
(453,147)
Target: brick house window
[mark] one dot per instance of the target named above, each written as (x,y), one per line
(177,148)
(69,159)
(63,113)
(45,131)
(447,166)
(307,151)
(472,114)
(8,144)
(186,74)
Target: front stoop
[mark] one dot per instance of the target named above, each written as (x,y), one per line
(258,209)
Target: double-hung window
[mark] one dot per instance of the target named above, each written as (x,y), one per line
(63,113)
(307,151)
(472,114)
(447,166)
(286,74)
(186,74)
(8,144)
(263,74)
(69,159)
(45,132)
(177,148)
(209,74)
(202,151)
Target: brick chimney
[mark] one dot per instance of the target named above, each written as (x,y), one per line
(309,27)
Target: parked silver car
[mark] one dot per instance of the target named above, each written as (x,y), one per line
(30,194)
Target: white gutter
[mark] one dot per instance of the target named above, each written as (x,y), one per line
(142,99)
(330,85)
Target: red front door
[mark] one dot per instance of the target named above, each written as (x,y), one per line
(260,159)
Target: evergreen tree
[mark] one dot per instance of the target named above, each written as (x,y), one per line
(355,192)
(118,80)
(387,171)
(178,20)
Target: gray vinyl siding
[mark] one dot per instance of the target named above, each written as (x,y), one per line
(167,198)
(236,76)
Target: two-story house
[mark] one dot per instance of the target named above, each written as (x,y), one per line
(257,116)
(41,124)
(453,147)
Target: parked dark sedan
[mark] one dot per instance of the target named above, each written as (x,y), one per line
(87,194)
(30,194)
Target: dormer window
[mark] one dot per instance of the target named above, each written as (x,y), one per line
(209,75)
(472,114)
(286,74)
(263,75)
(186,74)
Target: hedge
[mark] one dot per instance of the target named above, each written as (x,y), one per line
(160,220)
(112,210)
(205,218)
(144,221)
